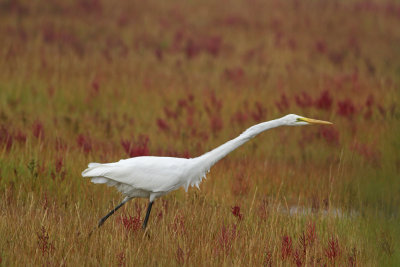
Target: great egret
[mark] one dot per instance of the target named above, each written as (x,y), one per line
(152,177)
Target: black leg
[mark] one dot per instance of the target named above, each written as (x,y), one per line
(147,215)
(102,220)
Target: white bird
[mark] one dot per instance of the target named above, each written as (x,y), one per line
(152,177)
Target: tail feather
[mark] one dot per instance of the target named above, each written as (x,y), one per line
(97,172)
(94,170)
(93,164)
(99,180)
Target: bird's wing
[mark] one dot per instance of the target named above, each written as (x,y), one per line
(154,174)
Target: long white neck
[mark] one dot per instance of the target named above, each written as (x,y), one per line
(208,159)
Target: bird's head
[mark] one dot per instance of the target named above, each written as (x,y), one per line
(296,120)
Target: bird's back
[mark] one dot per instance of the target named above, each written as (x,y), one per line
(141,175)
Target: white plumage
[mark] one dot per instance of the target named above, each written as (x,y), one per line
(152,177)
(146,176)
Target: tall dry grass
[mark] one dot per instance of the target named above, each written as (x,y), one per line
(94,80)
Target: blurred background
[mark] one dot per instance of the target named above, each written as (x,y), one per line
(98,80)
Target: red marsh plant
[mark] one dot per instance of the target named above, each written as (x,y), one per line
(216,123)
(170,114)
(192,49)
(260,112)
(226,238)
(286,247)
(6,138)
(137,147)
(283,103)
(311,234)
(368,152)
(239,117)
(178,226)
(121,259)
(241,185)
(58,169)
(369,103)
(180,255)
(352,258)
(130,223)
(163,125)
(38,129)
(304,100)
(43,242)
(234,74)
(236,212)
(346,108)
(60,145)
(164,209)
(324,101)
(20,137)
(298,257)
(332,250)
(213,108)
(303,244)
(84,142)
(45,204)
(268,257)
(263,211)
(212,45)
(330,135)
(299,254)
(320,46)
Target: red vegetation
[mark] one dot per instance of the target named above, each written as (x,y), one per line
(298,257)
(346,108)
(130,223)
(268,258)
(37,129)
(162,125)
(136,148)
(304,100)
(235,74)
(260,113)
(324,101)
(283,103)
(194,46)
(368,152)
(95,87)
(332,251)
(311,235)
(180,256)
(241,184)
(239,117)
(286,247)
(121,259)
(216,123)
(44,244)
(213,108)
(58,169)
(330,135)
(226,238)
(20,137)
(178,226)
(84,142)
(321,47)
(236,212)
(6,138)
(352,259)
(60,145)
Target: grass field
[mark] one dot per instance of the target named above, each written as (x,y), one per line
(96,81)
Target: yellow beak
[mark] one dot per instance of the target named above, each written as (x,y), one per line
(312,121)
